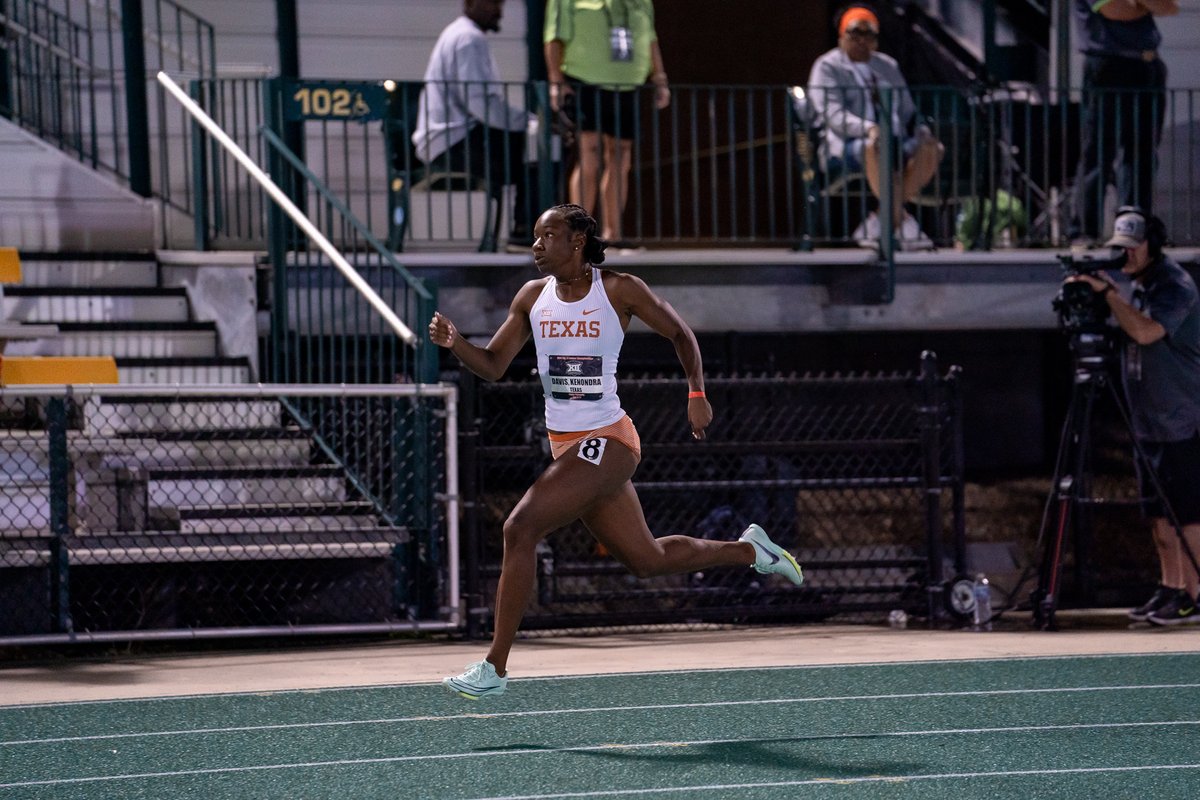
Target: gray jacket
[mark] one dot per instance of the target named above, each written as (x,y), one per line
(840,99)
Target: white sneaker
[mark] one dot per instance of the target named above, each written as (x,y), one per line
(867,232)
(479,680)
(911,237)
(770,557)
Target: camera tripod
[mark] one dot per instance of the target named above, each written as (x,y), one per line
(1071,484)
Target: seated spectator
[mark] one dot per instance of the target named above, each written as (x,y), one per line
(844,86)
(464,120)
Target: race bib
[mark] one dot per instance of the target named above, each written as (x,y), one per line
(576,377)
(592,450)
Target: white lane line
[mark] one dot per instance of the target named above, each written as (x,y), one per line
(537,751)
(596,710)
(606,675)
(843,781)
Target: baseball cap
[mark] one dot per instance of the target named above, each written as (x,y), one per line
(1129,230)
(858,18)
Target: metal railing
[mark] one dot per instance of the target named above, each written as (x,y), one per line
(322,327)
(66,69)
(345,329)
(721,166)
(186,512)
(860,475)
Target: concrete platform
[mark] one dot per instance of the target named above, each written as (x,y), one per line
(777,290)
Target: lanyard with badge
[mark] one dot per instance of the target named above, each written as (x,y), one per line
(619,36)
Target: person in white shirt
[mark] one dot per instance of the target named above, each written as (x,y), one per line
(845,87)
(465,120)
(577,314)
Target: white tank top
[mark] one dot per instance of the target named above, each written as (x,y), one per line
(578,345)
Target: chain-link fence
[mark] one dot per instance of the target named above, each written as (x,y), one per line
(860,475)
(224,511)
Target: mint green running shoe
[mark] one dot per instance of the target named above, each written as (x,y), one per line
(771,558)
(479,680)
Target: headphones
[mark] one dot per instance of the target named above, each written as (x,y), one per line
(1156,229)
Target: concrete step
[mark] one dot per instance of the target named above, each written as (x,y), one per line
(258,449)
(174,487)
(95,304)
(272,510)
(210,371)
(119,271)
(321,522)
(24,549)
(264,517)
(150,415)
(15,329)
(26,505)
(268,517)
(25,487)
(126,339)
(28,464)
(154,547)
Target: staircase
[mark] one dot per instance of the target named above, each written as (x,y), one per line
(158,478)
(119,307)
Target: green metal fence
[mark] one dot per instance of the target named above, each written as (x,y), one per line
(78,73)
(721,166)
(227,511)
(859,475)
(322,328)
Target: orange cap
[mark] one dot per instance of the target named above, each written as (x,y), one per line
(857,14)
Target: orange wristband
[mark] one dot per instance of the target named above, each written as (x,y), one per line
(694,395)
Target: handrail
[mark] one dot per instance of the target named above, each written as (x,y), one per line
(69,75)
(337,203)
(34,37)
(204,32)
(285,202)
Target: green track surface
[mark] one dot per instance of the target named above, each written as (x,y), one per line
(1085,727)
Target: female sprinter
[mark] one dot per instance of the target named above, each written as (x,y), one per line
(577,315)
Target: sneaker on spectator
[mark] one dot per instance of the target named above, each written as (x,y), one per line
(1160,598)
(479,680)
(867,232)
(770,557)
(911,237)
(1179,610)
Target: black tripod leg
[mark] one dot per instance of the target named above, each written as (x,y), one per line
(1073,452)
(1045,597)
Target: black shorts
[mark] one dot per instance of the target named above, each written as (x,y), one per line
(1177,465)
(605,111)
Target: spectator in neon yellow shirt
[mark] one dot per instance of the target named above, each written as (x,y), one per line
(598,53)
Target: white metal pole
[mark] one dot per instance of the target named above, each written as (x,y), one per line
(287,205)
(452,501)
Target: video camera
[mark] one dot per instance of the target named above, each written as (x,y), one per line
(1079,307)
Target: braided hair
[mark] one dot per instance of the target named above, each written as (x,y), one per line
(578,219)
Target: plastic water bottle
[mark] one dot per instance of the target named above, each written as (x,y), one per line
(983,604)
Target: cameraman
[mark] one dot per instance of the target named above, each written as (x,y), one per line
(1161,374)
